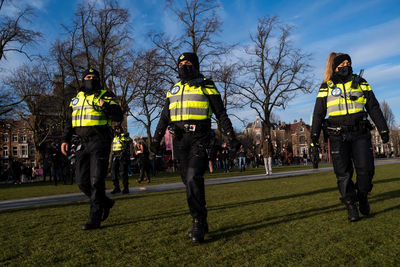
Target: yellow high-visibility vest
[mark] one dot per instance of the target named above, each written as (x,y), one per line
(86,110)
(117,144)
(342,99)
(190,102)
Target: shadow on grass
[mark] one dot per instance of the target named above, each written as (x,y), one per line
(304,214)
(236,229)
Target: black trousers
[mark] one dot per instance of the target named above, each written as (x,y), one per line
(353,150)
(190,152)
(91,171)
(119,167)
(144,170)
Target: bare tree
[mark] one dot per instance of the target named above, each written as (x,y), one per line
(110,37)
(150,89)
(33,84)
(14,37)
(274,71)
(99,37)
(201,27)
(388,114)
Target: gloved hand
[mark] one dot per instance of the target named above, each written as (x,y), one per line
(155,146)
(315,138)
(314,150)
(385,136)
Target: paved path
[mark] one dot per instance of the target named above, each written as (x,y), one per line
(28,202)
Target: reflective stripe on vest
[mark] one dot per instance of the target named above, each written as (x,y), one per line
(117,144)
(190,102)
(342,99)
(86,110)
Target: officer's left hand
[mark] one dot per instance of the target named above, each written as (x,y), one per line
(385,136)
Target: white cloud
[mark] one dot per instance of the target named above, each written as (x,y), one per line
(170,24)
(383,74)
(12,8)
(12,61)
(366,46)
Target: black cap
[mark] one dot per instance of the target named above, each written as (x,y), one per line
(192,57)
(90,71)
(339,59)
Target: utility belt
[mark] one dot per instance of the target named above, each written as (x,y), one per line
(178,129)
(363,125)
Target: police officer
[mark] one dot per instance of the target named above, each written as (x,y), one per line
(187,111)
(92,111)
(348,99)
(120,159)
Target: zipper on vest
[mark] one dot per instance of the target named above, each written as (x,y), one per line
(183,89)
(83,104)
(345,98)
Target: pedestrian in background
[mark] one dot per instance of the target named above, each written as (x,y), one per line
(242,158)
(268,152)
(120,159)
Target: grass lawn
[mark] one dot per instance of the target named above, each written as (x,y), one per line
(275,222)
(38,189)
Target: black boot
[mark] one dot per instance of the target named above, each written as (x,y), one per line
(198,230)
(106,209)
(190,233)
(125,191)
(364,204)
(352,210)
(90,226)
(116,190)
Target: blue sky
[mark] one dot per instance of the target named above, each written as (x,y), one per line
(368,30)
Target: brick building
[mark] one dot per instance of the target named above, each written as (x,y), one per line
(16,144)
(295,138)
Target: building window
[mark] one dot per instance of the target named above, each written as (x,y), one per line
(258,137)
(5,137)
(15,137)
(302,139)
(23,138)
(5,151)
(14,151)
(24,151)
(301,129)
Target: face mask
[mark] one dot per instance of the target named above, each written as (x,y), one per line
(187,72)
(91,85)
(344,71)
